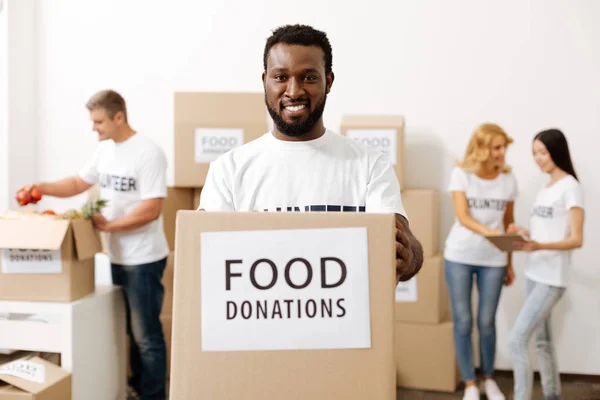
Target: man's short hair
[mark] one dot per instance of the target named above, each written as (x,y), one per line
(108,100)
(300,35)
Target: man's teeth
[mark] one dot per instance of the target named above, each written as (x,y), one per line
(295,108)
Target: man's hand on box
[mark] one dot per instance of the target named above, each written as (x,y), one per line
(100,222)
(409,252)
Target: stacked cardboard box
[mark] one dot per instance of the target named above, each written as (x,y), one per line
(35,376)
(423,329)
(206,125)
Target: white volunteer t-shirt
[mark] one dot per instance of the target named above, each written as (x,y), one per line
(549,222)
(128,173)
(331,173)
(488,199)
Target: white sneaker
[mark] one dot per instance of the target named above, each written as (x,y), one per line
(471,393)
(492,391)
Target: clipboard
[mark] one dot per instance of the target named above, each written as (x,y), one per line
(505,241)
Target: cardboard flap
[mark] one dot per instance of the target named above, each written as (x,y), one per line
(372,121)
(52,374)
(87,240)
(32,234)
(207,109)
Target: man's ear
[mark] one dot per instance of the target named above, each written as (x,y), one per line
(329,82)
(119,117)
(264,79)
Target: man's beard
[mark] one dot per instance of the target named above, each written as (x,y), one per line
(300,128)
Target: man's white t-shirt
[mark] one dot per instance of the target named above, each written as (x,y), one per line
(549,222)
(128,173)
(330,173)
(488,199)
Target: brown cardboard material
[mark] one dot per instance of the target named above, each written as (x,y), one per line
(291,374)
(193,111)
(197,192)
(425,357)
(423,209)
(56,385)
(377,125)
(177,199)
(54,358)
(167,281)
(78,242)
(433,302)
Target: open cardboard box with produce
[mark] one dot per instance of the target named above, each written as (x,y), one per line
(48,256)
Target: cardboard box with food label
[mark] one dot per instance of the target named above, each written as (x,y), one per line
(210,124)
(382,132)
(47,258)
(266,300)
(424,298)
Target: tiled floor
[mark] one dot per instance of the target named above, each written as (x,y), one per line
(573,388)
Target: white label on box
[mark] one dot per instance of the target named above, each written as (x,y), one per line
(384,140)
(406,292)
(29,370)
(212,142)
(285,290)
(27,261)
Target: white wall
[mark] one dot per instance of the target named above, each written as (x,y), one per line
(3,108)
(19,101)
(446,66)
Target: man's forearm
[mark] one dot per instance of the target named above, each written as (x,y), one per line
(66,187)
(129,222)
(146,212)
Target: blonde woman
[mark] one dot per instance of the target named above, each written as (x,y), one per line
(483,191)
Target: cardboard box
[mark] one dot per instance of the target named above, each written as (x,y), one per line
(383,132)
(423,209)
(425,297)
(47,259)
(167,281)
(177,199)
(196,203)
(233,327)
(425,357)
(50,382)
(210,124)
(54,358)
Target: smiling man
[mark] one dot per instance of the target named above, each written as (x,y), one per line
(302,166)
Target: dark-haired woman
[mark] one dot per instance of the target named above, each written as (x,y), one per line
(556,228)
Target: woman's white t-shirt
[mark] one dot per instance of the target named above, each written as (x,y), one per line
(488,199)
(549,222)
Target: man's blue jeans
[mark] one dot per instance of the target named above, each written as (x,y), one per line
(144,293)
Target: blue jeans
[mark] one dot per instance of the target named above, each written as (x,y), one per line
(490,280)
(144,292)
(533,321)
